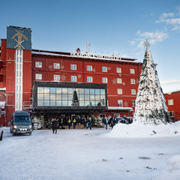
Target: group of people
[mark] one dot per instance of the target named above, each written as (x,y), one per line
(85,123)
(111,122)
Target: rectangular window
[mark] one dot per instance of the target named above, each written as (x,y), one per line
(73,78)
(104,69)
(119,80)
(132,81)
(118,70)
(39,76)
(120,103)
(38,65)
(89,79)
(171,113)
(133,103)
(56,77)
(89,68)
(133,91)
(132,71)
(73,67)
(170,102)
(119,91)
(104,80)
(56,66)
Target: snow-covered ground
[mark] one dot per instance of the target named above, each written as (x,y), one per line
(82,154)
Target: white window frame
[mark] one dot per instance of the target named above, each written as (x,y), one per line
(133,103)
(171,113)
(89,79)
(89,68)
(73,67)
(56,65)
(38,64)
(120,103)
(133,92)
(132,71)
(38,76)
(119,80)
(105,80)
(133,81)
(170,102)
(56,77)
(73,78)
(119,91)
(118,70)
(104,69)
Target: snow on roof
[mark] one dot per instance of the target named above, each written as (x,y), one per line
(172,92)
(120,108)
(85,56)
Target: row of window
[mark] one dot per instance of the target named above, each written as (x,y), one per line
(89,79)
(88,67)
(120,103)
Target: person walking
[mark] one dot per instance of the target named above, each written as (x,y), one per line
(62,123)
(69,122)
(89,123)
(105,121)
(82,122)
(54,125)
(85,123)
(74,123)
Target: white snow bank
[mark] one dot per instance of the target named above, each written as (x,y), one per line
(172,171)
(138,130)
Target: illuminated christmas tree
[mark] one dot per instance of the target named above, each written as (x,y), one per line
(150,107)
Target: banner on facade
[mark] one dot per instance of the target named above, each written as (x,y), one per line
(19,38)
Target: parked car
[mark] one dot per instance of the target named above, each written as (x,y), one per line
(20,123)
(1,134)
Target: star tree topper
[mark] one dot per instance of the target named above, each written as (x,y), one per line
(147,44)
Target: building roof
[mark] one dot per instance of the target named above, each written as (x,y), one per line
(84,56)
(176,91)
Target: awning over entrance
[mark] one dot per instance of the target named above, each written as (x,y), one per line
(120,108)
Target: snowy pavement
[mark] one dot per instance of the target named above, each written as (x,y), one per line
(82,154)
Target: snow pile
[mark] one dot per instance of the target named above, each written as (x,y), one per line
(172,171)
(140,130)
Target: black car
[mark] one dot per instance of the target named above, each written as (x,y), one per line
(20,123)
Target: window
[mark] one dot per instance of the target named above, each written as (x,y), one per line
(119,91)
(56,77)
(170,102)
(132,81)
(118,70)
(39,76)
(89,79)
(133,91)
(171,113)
(38,65)
(104,80)
(132,71)
(73,67)
(56,66)
(120,103)
(133,103)
(89,68)
(104,69)
(119,80)
(73,78)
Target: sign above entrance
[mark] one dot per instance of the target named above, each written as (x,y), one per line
(19,38)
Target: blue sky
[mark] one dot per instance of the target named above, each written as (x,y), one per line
(111,26)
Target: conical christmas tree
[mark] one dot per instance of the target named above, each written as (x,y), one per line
(75,101)
(150,107)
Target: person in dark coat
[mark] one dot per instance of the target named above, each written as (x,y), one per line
(105,122)
(89,123)
(54,125)
(69,122)
(62,121)
(74,123)
(85,122)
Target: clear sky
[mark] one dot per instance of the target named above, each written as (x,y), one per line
(111,26)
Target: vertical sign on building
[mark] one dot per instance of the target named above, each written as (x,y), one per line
(20,39)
